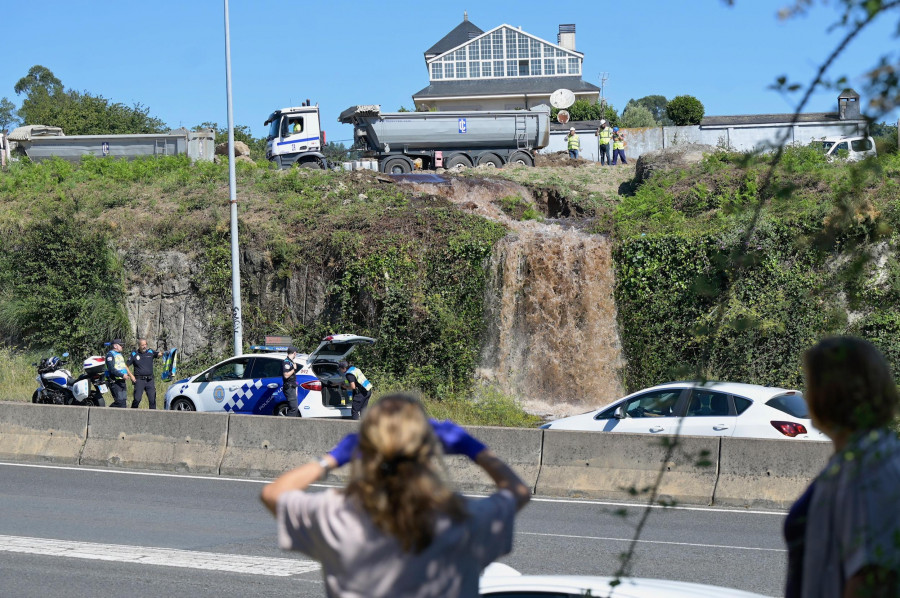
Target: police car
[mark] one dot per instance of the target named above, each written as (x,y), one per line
(252,383)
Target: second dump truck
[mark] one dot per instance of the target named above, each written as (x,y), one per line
(405,141)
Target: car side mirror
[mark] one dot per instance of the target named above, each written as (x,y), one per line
(620,412)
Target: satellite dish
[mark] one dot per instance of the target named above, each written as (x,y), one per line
(562,117)
(562,98)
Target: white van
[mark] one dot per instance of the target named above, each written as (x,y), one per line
(851,149)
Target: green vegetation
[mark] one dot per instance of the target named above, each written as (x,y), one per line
(685,110)
(820,261)
(636,116)
(405,270)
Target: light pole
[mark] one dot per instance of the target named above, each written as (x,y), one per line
(236,321)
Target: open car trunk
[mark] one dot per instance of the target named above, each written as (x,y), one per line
(324,363)
(332,393)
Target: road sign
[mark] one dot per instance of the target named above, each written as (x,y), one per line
(462,125)
(104,148)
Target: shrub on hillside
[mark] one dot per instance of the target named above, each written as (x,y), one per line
(685,110)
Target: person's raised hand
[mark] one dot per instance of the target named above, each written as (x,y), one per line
(343,450)
(455,439)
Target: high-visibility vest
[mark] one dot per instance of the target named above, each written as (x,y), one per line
(605,136)
(360,378)
(574,142)
(618,142)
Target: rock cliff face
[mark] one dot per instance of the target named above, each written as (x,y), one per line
(166,303)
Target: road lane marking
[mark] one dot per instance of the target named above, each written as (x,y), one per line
(574,501)
(653,542)
(169,557)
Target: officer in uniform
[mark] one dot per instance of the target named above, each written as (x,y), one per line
(358,386)
(142,362)
(118,374)
(573,143)
(289,371)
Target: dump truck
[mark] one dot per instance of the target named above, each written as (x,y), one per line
(42,142)
(400,142)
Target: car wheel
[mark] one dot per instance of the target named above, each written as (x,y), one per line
(281,410)
(182,404)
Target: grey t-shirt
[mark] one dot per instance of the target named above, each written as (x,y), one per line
(358,560)
(852,521)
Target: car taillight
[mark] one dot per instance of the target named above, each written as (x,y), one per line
(317,385)
(791,429)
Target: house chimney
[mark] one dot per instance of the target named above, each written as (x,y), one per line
(848,105)
(566,37)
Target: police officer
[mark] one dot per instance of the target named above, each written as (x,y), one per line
(358,386)
(289,372)
(118,374)
(574,143)
(142,362)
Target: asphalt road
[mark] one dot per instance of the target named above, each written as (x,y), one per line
(88,532)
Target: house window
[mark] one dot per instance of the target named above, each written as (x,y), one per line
(574,66)
(437,70)
(536,67)
(474,69)
(523,68)
(561,66)
(512,68)
(549,66)
(460,70)
(497,44)
(511,45)
(498,68)
(473,52)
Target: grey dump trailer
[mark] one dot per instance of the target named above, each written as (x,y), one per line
(40,142)
(404,141)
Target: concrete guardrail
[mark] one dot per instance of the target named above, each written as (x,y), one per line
(48,433)
(614,466)
(157,440)
(737,471)
(265,447)
(767,473)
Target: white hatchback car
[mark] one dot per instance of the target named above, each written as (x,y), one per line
(702,409)
(252,383)
(501,580)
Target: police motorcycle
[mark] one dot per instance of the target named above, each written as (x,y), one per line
(56,386)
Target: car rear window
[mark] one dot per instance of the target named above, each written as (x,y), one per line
(741,404)
(793,405)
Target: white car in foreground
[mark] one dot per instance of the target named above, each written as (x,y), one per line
(501,580)
(702,409)
(252,383)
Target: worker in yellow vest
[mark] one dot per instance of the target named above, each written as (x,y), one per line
(618,146)
(604,140)
(574,143)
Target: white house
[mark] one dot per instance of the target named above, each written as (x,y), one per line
(501,69)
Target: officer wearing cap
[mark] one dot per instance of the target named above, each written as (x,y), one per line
(142,362)
(358,386)
(289,372)
(118,374)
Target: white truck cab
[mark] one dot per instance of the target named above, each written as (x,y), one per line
(852,149)
(295,137)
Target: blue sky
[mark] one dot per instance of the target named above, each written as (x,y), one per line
(169,54)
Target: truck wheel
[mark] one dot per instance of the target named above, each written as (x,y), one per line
(458,162)
(314,164)
(490,160)
(521,158)
(396,166)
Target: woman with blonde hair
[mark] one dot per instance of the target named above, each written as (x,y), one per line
(843,533)
(397,529)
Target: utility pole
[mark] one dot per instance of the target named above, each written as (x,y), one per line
(236,320)
(604,77)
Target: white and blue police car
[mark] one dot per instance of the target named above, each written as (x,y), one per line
(252,383)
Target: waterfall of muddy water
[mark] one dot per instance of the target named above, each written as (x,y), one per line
(552,338)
